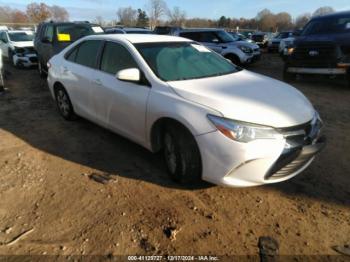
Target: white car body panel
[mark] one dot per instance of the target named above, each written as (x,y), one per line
(132,110)
(238,96)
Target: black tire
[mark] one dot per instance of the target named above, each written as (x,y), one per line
(234,59)
(41,71)
(181,155)
(64,105)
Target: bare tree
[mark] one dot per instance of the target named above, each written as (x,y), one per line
(156,9)
(19,17)
(99,20)
(38,13)
(5,14)
(323,11)
(59,13)
(302,20)
(177,16)
(283,21)
(127,16)
(266,20)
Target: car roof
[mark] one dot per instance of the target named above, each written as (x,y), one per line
(20,31)
(333,15)
(140,38)
(69,23)
(135,29)
(201,30)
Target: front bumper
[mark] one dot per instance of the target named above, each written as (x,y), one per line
(317,71)
(27,60)
(229,163)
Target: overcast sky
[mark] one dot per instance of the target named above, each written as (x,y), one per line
(89,9)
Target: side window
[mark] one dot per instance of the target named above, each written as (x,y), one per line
(191,35)
(115,58)
(49,33)
(87,53)
(72,55)
(208,37)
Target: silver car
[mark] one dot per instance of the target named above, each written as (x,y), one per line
(218,40)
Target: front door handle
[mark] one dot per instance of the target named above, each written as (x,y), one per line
(65,70)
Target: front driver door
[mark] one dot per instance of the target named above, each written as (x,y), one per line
(120,105)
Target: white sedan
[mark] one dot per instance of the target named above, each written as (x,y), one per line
(213,120)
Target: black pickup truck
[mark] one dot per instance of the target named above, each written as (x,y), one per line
(322,48)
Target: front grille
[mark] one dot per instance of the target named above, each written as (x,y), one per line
(291,159)
(315,55)
(292,167)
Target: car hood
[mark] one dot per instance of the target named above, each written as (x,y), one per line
(249,97)
(23,44)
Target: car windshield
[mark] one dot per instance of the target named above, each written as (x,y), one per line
(21,36)
(74,32)
(184,60)
(225,37)
(332,25)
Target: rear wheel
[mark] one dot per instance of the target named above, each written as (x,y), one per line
(181,154)
(234,59)
(64,104)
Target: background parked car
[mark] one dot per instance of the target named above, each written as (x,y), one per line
(18,47)
(2,84)
(239,52)
(241,37)
(52,37)
(128,30)
(260,38)
(286,46)
(274,43)
(167,30)
(323,48)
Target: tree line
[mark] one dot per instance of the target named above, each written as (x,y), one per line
(157,12)
(34,13)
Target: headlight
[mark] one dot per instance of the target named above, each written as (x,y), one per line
(243,132)
(290,50)
(245,49)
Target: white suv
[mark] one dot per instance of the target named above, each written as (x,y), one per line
(218,40)
(18,47)
(211,119)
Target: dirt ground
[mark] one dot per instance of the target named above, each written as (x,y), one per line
(50,205)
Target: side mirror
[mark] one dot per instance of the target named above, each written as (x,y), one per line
(129,75)
(46,40)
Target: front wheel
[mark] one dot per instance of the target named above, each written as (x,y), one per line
(64,104)
(181,155)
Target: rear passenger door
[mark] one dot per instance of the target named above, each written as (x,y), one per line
(121,105)
(79,75)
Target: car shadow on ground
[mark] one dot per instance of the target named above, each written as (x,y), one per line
(29,113)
